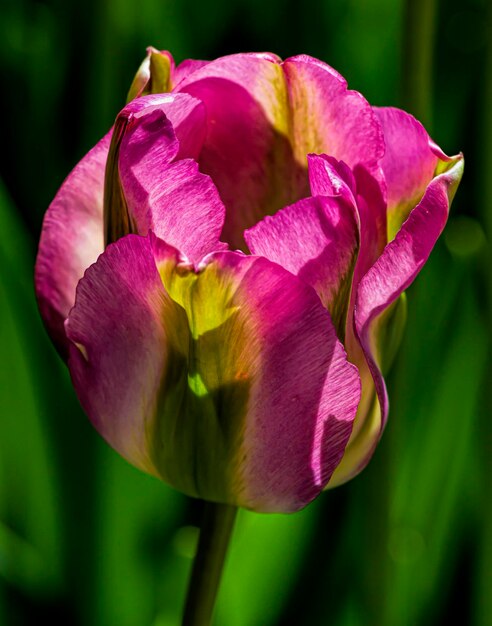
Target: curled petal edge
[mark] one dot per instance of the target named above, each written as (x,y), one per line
(394,271)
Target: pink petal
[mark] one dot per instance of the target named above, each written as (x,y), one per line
(304,396)
(186,115)
(408,164)
(316,239)
(176,201)
(329,177)
(228,383)
(71,239)
(247,150)
(397,267)
(118,347)
(329,118)
(264,117)
(185,68)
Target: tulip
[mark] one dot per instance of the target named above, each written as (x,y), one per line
(224,273)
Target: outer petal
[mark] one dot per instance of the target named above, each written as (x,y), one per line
(316,239)
(71,239)
(366,195)
(381,287)
(409,163)
(236,390)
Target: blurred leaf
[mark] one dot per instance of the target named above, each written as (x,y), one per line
(430,495)
(29,541)
(138,518)
(266,553)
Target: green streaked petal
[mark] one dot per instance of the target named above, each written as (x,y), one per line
(226,380)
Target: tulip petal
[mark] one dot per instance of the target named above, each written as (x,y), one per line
(409,163)
(237,389)
(71,239)
(380,288)
(150,182)
(247,151)
(328,117)
(185,68)
(186,115)
(176,201)
(316,239)
(264,117)
(329,177)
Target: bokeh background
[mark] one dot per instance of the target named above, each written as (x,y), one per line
(86,540)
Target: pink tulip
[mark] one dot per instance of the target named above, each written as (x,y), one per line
(263,223)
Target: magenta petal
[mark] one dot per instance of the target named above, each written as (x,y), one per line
(176,201)
(328,117)
(262,369)
(276,113)
(329,177)
(408,164)
(185,68)
(118,345)
(316,239)
(71,239)
(401,261)
(305,397)
(364,192)
(186,115)
(247,151)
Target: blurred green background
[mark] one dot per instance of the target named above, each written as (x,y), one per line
(86,540)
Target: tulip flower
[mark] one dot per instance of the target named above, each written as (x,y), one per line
(224,273)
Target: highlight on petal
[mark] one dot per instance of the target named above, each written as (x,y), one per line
(237,389)
(316,239)
(71,239)
(378,298)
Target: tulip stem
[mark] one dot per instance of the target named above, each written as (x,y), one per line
(217,525)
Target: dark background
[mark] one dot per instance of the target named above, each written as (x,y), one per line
(86,540)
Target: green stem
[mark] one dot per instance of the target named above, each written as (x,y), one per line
(417,58)
(218,521)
